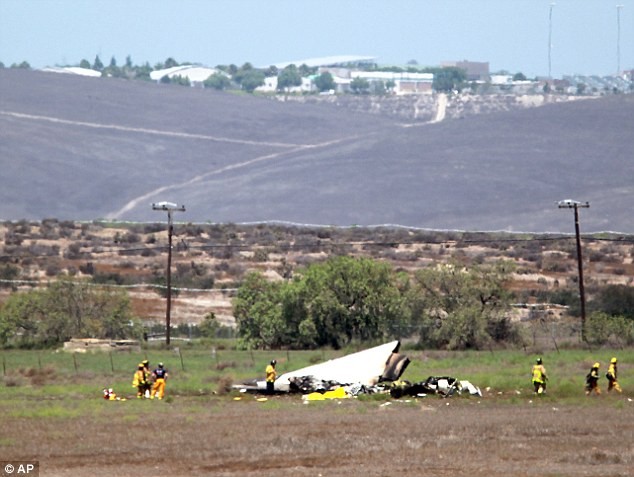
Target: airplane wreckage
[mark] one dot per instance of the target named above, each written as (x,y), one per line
(373,370)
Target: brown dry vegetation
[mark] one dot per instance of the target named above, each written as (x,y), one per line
(456,437)
(213,259)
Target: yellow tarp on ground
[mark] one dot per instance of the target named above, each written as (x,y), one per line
(338,393)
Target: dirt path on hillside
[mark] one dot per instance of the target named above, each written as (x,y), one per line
(146,197)
(441,108)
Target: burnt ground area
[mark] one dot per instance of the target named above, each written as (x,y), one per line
(283,436)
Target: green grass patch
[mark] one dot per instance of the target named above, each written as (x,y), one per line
(61,385)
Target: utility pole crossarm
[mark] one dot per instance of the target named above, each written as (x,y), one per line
(572,204)
(168,207)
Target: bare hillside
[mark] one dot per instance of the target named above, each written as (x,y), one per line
(82,148)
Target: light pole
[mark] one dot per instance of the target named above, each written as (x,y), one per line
(168,207)
(573,204)
(618,39)
(550,39)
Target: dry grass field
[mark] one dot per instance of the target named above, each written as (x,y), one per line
(210,261)
(282,436)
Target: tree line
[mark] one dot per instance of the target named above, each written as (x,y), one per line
(348,299)
(447,306)
(248,78)
(50,316)
(334,303)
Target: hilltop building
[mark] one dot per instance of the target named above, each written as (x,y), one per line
(195,74)
(349,61)
(73,70)
(476,71)
(270,86)
(404,82)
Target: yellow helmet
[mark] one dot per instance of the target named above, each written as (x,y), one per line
(596,365)
(613,361)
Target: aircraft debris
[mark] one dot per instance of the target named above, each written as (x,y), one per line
(339,393)
(445,386)
(374,370)
(364,368)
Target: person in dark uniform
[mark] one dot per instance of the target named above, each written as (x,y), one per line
(160,377)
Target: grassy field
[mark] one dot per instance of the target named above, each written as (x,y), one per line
(197,370)
(51,411)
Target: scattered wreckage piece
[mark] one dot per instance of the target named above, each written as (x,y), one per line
(339,393)
(445,386)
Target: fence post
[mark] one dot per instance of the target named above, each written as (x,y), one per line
(181,356)
(75,362)
(111,363)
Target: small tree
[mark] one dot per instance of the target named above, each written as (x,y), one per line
(449,79)
(170,63)
(460,308)
(288,78)
(258,314)
(602,328)
(359,85)
(251,80)
(325,82)
(209,326)
(97,64)
(217,81)
(21,66)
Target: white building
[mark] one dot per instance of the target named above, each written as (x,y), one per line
(73,70)
(195,74)
(404,82)
(270,86)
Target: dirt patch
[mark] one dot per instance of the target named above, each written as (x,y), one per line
(283,436)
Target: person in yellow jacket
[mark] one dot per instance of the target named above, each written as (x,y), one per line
(148,377)
(592,380)
(160,376)
(539,377)
(612,377)
(139,381)
(271,375)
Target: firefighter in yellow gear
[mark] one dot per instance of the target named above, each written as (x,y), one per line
(139,381)
(592,380)
(160,376)
(539,377)
(271,375)
(148,377)
(612,377)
